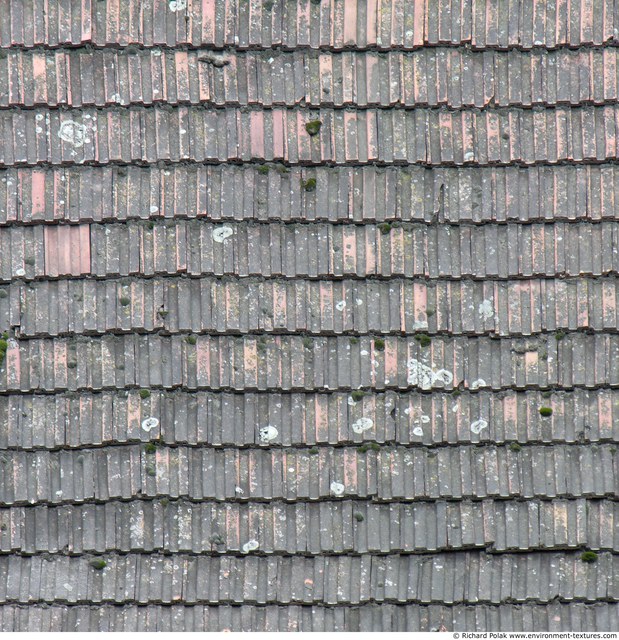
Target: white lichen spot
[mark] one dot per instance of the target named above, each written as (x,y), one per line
(221,233)
(150,423)
(363,352)
(72,132)
(363,424)
(268,433)
(478,425)
(455,408)
(486,309)
(20,272)
(38,129)
(420,324)
(359,302)
(340,305)
(238,491)
(469,156)
(250,545)
(418,431)
(38,117)
(177,5)
(421,375)
(154,209)
(337,488)
(480,382)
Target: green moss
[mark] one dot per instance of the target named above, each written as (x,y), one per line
(589,556)
(163,313)
(354,340)
(309,184)
(514,446)
(282,169)
(150,447)
(545,411)
(456,392)
(313,451)
(313,127)
(364,448)
(263,169)
(164,502)
(374,446)
(191,339)
(98,563)
(357,395)
(359,517)
(4,293)
(423,339)
(124,301)
(379,344)
(144,393)
(385,228)
(217,539)
(430,312)
(71,364)
(150,470)
(559,335)
(5,335)
(29,261)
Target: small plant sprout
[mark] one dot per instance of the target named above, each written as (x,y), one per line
(313,127)
(545,412)
(589,557)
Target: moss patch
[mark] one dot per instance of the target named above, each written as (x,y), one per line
(313,127)
(545,412)
(309,184)
(379,344)
(144,393)
(589,557)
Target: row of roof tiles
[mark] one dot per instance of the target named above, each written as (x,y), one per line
(201,248)
(554,616)
(431,137)
(369,617)
(308,23)
(236,420)
(428,77)
(391,473)
(516,307)
(274,192)
(297,363)
(310,528)
(457,577)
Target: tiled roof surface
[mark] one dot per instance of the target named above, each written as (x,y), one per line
(286,284)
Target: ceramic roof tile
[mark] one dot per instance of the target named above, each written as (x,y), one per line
(310,313)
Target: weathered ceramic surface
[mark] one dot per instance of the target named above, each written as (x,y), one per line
(286,377)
